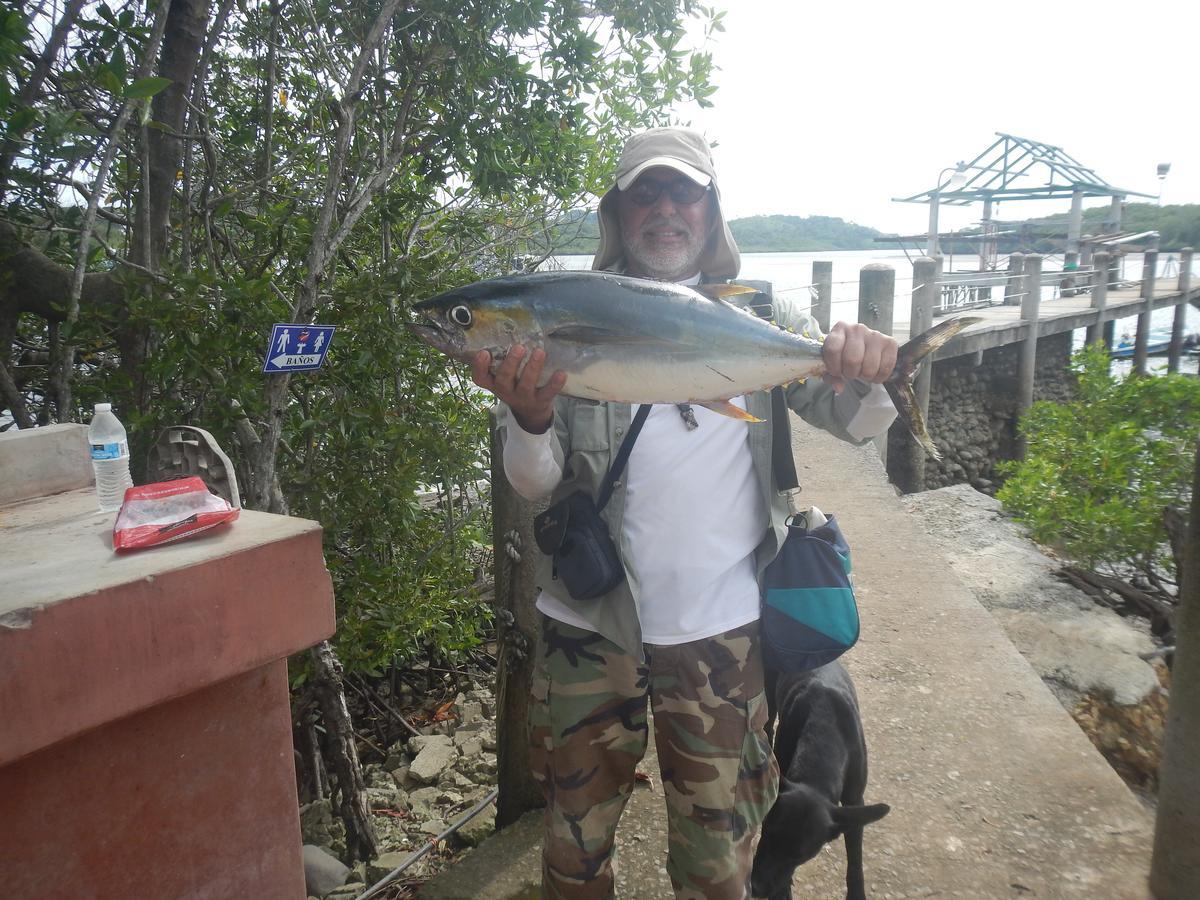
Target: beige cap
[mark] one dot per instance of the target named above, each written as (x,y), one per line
(687,152)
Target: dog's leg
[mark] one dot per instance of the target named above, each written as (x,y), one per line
(855,887)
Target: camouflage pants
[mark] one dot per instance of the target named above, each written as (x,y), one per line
(589,730)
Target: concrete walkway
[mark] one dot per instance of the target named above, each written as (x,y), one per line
(995,792)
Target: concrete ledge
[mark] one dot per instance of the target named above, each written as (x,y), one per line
(41,461)
(507,866)
(88,636)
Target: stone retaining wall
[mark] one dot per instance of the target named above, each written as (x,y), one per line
(972,411)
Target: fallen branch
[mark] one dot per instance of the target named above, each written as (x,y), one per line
(1157,610)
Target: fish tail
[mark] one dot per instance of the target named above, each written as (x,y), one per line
(900,384)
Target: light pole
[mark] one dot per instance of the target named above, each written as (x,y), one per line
(956,180)
(1163,169)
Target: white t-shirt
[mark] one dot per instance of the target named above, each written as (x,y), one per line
(693,516)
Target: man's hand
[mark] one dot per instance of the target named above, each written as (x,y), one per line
(855,351)
(533,407)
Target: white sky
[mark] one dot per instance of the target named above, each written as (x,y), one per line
(835,107)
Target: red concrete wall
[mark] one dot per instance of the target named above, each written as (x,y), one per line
(194,798)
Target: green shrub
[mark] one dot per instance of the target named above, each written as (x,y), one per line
(1099,471)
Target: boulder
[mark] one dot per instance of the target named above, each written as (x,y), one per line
(434,758)
(322,872)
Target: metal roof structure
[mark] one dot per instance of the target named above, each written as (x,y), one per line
(994,173)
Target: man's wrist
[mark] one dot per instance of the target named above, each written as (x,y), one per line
(534,427)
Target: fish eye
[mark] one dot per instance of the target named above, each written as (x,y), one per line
(461,315)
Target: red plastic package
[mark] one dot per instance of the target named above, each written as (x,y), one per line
(167,511)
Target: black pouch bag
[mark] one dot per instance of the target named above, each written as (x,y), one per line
(809,615)
(573,533)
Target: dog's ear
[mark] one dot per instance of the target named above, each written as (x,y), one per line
(858,816)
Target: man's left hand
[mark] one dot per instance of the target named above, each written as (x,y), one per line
(855,351)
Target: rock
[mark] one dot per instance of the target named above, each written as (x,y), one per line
(422,800)
(433,759)
(472,748)
(469,712)
(378,778)
(347,891)
(433,827)
(382,867)
(401,777)
(322,872)
(1077,646)
(320,828)
(395,760)
(478,828)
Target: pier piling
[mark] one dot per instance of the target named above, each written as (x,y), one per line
(822,279)
(1141,340)
(1030,306)
(1175,350)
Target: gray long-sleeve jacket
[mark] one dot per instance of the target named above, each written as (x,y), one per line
(587,435)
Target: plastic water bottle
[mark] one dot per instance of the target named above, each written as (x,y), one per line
(110,457)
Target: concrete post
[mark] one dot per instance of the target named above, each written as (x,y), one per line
(1113,220)
(931,242)
(1115,265)
(1075,224)
(514,554)
(987,244)
(1086,251)
(1175,865)
(1141,339)
(1016,279)
(822,279)
(1185,285)
(1030,309)
(1099,295)
(876,300)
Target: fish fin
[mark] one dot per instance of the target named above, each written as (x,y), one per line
(909,411)
(923,344)
(900,387)
(590,334)
(725,408)
(720,291)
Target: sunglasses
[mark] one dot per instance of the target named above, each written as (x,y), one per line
(682,191)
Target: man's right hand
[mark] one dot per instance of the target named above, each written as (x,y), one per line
(531,406)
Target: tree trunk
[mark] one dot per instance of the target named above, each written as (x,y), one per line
(351,797)
(514,555)
(1175,867)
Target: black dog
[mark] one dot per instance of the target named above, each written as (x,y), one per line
(823,763)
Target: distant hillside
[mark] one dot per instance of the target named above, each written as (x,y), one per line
(580,233)
(765,234)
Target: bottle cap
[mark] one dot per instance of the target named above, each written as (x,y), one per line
(103,407)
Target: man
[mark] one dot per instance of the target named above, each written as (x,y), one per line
(696,518)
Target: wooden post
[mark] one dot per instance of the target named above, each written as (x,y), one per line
(1175,865)
(822,279)
(514,554)
(877,296)
(1185,285)
(876,301)
(1016,279)
(1030,309)
(1099,295)
(1141,339)
(924,296)
(1114,279)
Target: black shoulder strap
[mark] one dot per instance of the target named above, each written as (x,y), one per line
(781,443)
(781,432)
(626,448)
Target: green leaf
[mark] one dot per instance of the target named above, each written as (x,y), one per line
(147,87)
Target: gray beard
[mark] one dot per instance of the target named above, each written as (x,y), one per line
(665,263)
